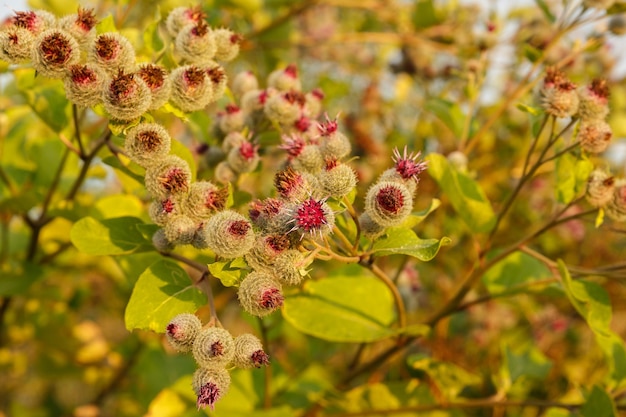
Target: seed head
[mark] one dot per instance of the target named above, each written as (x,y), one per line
(195,43)
(292,185)
(218,79)
(260,293)
(267,248)
(289,267)
(558,94)
(170,176)
(388,203)
(205,199)
(54,52)
(126,97)
(594,135)
(81,26)
(594,100)
(249,352)
(147,143)
(191,88)
(112,52)
(182,331)
(84,84)
(231,120)
(337,180)
(161,212)
(243,82)
(210,384)
(284,108)
(229,234)
(616,209)
(159,83)
(600,187)
(35,22)
(227,43)
(285,79)
(16,44)
(181,17)
(180,229)
(213,347)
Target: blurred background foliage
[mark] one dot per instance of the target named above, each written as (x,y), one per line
(399,73)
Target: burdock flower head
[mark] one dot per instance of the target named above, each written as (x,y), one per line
(195,43)
(181,17)
(407,169)
(285,108)
(229,234)
(214,346)
(249,352)
(558,94)
(81,26)
(594,100)
(232,119)
(34,21)
(337,179)
(113,52)
(260,293)
(126,97)
(333,143)
(84,84)
(171,176)
(292,185)
(244,158)
(313,218)
(271,215)
(147,143)
(600,188)
(182,330)
(191,88)
(285,79)
(205,199)
(388,203)
(594,135)
(54,52)
(616,208)
(210,384)
(227,43)
(16,44)
(158,81)
(243,82)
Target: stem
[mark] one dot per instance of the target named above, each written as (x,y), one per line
(205,285)
(534,143)
(355,219)
(344,240)
(300,8)
(87,163)
(334,255)
(77,131)
(267,376)
(202,268)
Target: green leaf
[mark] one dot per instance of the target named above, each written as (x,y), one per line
(45,97)
(402,241)
(424,14)
(593,303)
(152,38)
(229,272)
(114,236)
(17,282)
(161,292)
(527,362)
(599,403)
(450,378)
(419,216)
(183,152)
(118,205)
(546,10)
(533,111)
(340,308)
(106,25)
(448,113)
(532,53)
(132,170)
(514,270)
(168,108)
(465,194)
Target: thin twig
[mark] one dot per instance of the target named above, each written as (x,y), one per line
(77,131)
(397,298)
(267,375)
(87,163)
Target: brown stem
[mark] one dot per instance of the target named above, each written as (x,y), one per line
(295,11)
(87,163)
(267,375)
(397,298)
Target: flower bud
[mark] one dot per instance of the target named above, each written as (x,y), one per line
(170,176)
(249,352)
(162,211)
(182,330)
(210,384)
(289,267)
(126,97)
(600,187)
(16,44)
(292,185)
(284,108)
(232,119)
(388,203)
(558,94)
(191,88)
(54,52)
(180,230)
(254,100)
(616,209)
(309,159)
(112,52)
(369,228)
(260,294)
(81,26)
(219,80)
(181,17)
(244,158)
(333,143)
(233,140)
(594,135)
(84,84)
(285,79)
(224,173)
(313,218)
(195,43)
(159,83)
(243,82)
(205,199)
(313,106)
(271,215)
(337,179)
(406,171)
(594,100)
(161,243)
(229,234)
(147,143)
(213,347)
(227,43)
